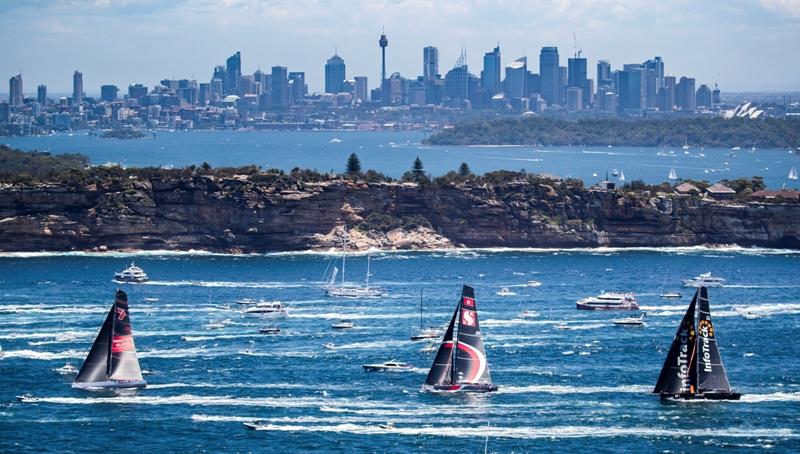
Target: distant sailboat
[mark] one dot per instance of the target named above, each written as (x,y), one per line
(112,361)
(621,175)
(424,333)
(693,368)
(792,174)
(461,364)
(348,290)
(672,174)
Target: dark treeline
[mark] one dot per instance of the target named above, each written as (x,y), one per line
(709,132)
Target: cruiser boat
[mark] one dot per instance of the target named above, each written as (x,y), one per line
(266,307)
(505,292)
(461,364)
(343,324)
(693,368)
(269,330)
(131,274)
(350,290)
(704,280)
(112,361)
(246,301)
(67,369)
(631,321)
(329,346)
(425,333)
(534,283)
(609,301)
(387,366)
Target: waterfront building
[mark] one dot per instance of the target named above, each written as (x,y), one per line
(335,74)
(280,88)
(685,94)
(516,82)
(490,76)
(109,93)
(607,100)
(430,64)
(41,95)
(77,88)
(15,98)
(703,97)
(361,89)
(233,74)
(666,95)
(549,75)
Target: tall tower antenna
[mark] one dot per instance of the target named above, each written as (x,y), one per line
(383,42)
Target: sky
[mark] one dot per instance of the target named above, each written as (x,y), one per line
(745,45)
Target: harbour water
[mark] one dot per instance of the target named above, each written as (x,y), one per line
(392,153)
(586,387)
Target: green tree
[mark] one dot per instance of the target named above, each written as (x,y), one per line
(416,170)
(464,170)
(353,165)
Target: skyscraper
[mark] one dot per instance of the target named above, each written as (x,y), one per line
(657,65)
(41,94)
(77,88)
(631,89)
(137,91)
(703,96)
(297,86)
(549,75)
(604,74)
(280,88)
(456,82)
(361,90)
(685,94)
(233,71)
(430,64)
(516,83)
(15,91)
(490,76)
(335,75)
(577,77)
(666,95)
(108,93)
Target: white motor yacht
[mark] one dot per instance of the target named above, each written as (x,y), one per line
(131,274)
(534,283)
(609,301)
(505,292)
(704,280)
(266,307)
(631,321)
(67,369)
(528,314)
(343,324)
(387,366)
(670,295)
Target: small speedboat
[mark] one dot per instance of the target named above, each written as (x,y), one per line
(214,325)
(27,398)
(255,425)
(428,333)
(67,369)
(329,346)
(505,292)
(131,274)
(387,425)
(387,366)
(704,280)
(269,330)
(631,321)
(670,295)
(534,283)
(528,314)
(343,324)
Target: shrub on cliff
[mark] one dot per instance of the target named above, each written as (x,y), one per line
(36,165)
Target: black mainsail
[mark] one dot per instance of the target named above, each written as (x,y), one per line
(112,361)
(460,363)
(693,368)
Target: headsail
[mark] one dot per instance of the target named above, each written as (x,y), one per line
(677,374)
(471,365)
(95,366)
(710,371)
(440,370)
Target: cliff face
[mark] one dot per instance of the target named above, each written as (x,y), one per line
(239,215)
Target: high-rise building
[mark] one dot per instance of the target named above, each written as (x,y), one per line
(204,94)
(361,90)
(651,87)
(666,95)
(516,83)
(631,89)
(233,72)
(137,91)
(297,86)
(574,101)
(577,77)
(549,75)
(534,85)
(657,66)
(490,76)
(108,93)
(685,94)
(715,96)
(77,88)
(15,91)
(217,89)
(604,78)
(41,94)
(280,88)
(456,82)
(703,97)
(563,75)
(430,64)
(335,75)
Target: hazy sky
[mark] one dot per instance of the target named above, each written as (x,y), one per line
(746,45)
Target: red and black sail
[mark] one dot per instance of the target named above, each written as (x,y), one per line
(678,373)
(440,373)
(711,374)
(471,365)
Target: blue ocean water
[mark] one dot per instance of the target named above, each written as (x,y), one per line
(579,389)
(393,152)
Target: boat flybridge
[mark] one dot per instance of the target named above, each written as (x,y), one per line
(704,280)
(609,301)
(112,361)
(131,274)
(351,290)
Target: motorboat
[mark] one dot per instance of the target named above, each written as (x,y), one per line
(528,314)
(131,274)
(343,324)
(255,425)
(505,292)
(67,369)
(534,283)
(329,346)
(704,280)
(387,425)
(27,398)
(387,366)
(609,301)
(269,330)
(631,321)
(246,302)
(214,325)
(670,295)
(266,307)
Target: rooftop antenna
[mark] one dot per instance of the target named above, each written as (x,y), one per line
(575,45)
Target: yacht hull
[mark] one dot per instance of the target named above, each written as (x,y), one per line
(701,396)
(110,384)
(606,307)
(465,388)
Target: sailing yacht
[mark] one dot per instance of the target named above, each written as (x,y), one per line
(672,174)
(693,368)
(460,364)
(112,361)
(349,290)
(621,175)
(792,174)
(425,333)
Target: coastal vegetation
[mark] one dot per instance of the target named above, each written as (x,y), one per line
(123,133)
(709,132)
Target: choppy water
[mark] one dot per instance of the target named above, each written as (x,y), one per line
(579,389)
(393,152)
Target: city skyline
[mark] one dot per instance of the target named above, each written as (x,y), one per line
(54,50)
